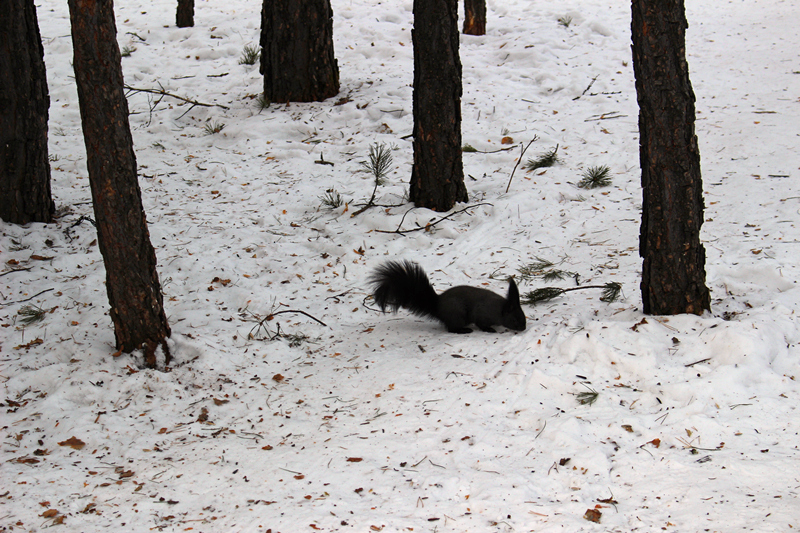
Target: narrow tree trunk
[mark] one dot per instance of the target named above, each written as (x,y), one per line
(437,176)
(475,17)
(24,103)
(673,275)
(297,58)
(184,17)
(134,292)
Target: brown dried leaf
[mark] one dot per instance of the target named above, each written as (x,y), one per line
(354,459)
(593,515)
(50,513)
(73,442)
(31,344)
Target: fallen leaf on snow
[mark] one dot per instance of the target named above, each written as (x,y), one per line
(593,515)
(31,344)
(73,442)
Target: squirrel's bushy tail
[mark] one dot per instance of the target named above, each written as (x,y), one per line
(404,284)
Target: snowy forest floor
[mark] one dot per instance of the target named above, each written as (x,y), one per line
(389,423)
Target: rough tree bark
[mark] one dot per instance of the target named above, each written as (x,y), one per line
(437,176)
(134,291)
(475,17)
(297,58)
(24,104)
(184,16)
(673,275)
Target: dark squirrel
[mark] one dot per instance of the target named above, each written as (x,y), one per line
(404,284)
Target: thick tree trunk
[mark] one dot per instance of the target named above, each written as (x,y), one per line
(24,103)
(297,58)
(437,176)
(134,292)
(673,275)
(184,17)
(475,17)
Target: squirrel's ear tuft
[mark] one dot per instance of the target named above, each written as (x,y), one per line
(513,292)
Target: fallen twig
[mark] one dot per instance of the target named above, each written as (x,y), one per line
(586,90)
(519,160)
(162,92)
(295,311)
(430,224)
(27,299)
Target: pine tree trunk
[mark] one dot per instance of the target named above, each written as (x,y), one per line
(184,17)
(297,58)
(24,104)
(437,176)
(475,17)
(673,275)
(134,291)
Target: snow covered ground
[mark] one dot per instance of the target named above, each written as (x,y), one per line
(386,422)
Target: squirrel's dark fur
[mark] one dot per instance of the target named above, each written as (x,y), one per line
(404,284)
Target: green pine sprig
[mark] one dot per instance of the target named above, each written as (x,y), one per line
(547,159)
(611,292)
(595,177)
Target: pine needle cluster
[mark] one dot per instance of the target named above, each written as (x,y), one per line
(379,162)
(547,271)
(611,293)
(587,397)
(547,159)
(332,199)
(213,127)
(595,177)
(250,55)
(31,314)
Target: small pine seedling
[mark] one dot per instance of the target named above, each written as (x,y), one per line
(595,177)
(380,159)
(213,127)
(565,21)
(127,51)
(332,199)
(547,159)
(262,102)
(250,55)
